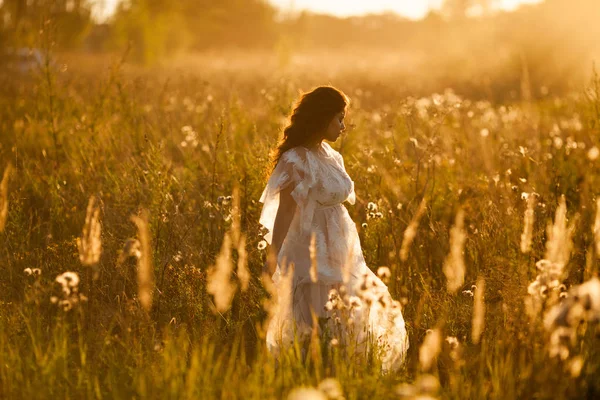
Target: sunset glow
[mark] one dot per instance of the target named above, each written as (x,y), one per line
(414,9)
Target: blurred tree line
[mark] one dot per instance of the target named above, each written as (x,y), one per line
(22,20)
(550,41)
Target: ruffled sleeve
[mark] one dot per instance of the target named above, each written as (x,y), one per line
(292,169)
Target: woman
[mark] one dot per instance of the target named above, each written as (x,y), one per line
(309,228)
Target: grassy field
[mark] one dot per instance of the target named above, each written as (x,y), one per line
(170,146)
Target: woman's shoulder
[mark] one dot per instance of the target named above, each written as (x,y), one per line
(297,154)
(332,152)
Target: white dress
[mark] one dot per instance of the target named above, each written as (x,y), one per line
(320,185)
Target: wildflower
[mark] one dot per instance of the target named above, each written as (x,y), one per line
(364,225)
(28,271)
(191,137)
(593,153)
(454,266)
(262,245)
(484,132)
(334,342)
(468,292)
(90,244)
(177,257)
(69,282)
(371,206)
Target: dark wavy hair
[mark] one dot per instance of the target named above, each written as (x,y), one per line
(311,114)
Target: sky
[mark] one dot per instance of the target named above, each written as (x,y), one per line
(413,9)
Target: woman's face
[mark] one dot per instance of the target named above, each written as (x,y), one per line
(336,127)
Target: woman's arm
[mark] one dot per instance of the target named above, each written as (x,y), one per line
(283,219)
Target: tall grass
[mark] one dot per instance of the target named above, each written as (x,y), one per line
(189,151)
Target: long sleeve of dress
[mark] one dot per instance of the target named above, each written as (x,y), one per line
(292,169)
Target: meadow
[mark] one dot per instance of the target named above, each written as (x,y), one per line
(120,184)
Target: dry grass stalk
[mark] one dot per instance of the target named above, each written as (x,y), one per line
(454,265)
(430,349)
(529,219)
(90,244)
(235,215)
(559,244)
(411,230)
(145,271)
(4,196)
(219,277)
(313,257)
(478,311)
(597,227)
(243,272)
(269,303)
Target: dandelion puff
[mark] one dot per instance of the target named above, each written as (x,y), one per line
(305,393)
(331,388)
(313,257)
(452,341)
(384,273)
(145,271)
(4,196)
(242,267)
(90,244)
(411,231)
(219,277)
(131,248)
(430,349)
(68,279)
(478,322)
(529,219)
(575,366)
(454,265)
